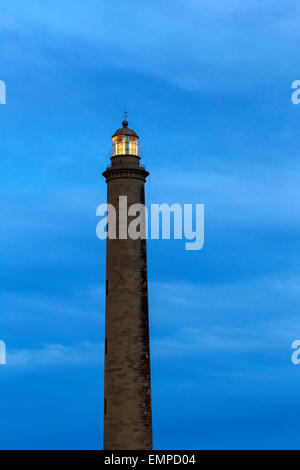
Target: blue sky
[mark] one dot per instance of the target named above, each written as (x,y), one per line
(208,88)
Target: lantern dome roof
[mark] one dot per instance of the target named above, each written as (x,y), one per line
(125,130)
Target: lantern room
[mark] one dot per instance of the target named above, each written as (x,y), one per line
(125,141)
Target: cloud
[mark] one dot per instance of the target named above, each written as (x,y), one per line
(262,198)
(243,318)
(55,355)
(195,45)
(209,88)
(29,320)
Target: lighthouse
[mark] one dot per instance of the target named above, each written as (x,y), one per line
(127,382)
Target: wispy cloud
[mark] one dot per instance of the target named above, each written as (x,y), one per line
(243,197)
(175,43)
(58,355)
(249,317)
(208,89)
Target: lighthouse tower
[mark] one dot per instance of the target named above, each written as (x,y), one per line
(127,389)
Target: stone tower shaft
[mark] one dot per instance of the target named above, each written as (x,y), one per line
(127,388)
